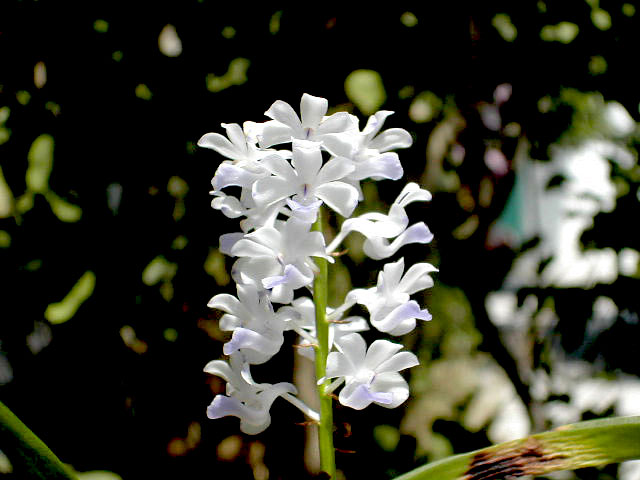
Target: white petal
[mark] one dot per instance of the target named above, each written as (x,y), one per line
(375,123)
(220,368)
(359,396)
(403,315)
(236,135)
(354,348)
(248,248)
(338,365)
(340,196)
(379,352)
(412,193)
(228,240)
(278,166)
(248,339)
(228,323)
(312,109)
(335,169)
(274,133)
(341,144)
(282,294)
(417,278)
(383,227)
(336,123)
(225,302)
(305,213)
(391,139)
(220,144)
(228,205)
(283,113)
(393,273)
(393,383)
(291,277)
(399,361)
(267,236)
(379,248)
(270,190)
(232,175)
(307,161)
(384,166)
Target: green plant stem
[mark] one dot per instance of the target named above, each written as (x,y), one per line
(325,428)
(30,457)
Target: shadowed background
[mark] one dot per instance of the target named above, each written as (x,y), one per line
(109,245)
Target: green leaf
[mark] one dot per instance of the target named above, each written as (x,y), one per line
(29,456)
(585,444)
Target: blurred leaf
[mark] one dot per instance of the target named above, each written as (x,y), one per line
(24,202)
(169,42)
(215,266)
(425,107)
(601,18)
(236,75)
(6,197)
(585,444)
(5,239)
(5,464)
(101,26)
(387,437)
(62,311)
(228,32)
(39,75)
(23,97)
(563,32)
(159,269)
(507,30)
(365,89)
(98,475)
(65,211)
(143,92)
(597,65)
(408,19)
(5,133)
(628,9)
(177,187)
(40,159)
(274,23)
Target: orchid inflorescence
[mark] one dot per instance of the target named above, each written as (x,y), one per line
(281,194)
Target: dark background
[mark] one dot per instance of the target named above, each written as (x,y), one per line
(101,404)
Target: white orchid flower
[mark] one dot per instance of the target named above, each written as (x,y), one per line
(302,319)
(389,304)
(239,147)
(257,330)
(371,375)
(313,124)
(256,216)
(278,258)
(306,183)
(245,399)
(370,150)
(377,227)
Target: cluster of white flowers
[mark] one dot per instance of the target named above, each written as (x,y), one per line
(280,193)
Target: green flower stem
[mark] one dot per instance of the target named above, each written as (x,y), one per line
(325,428)
(29,455)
